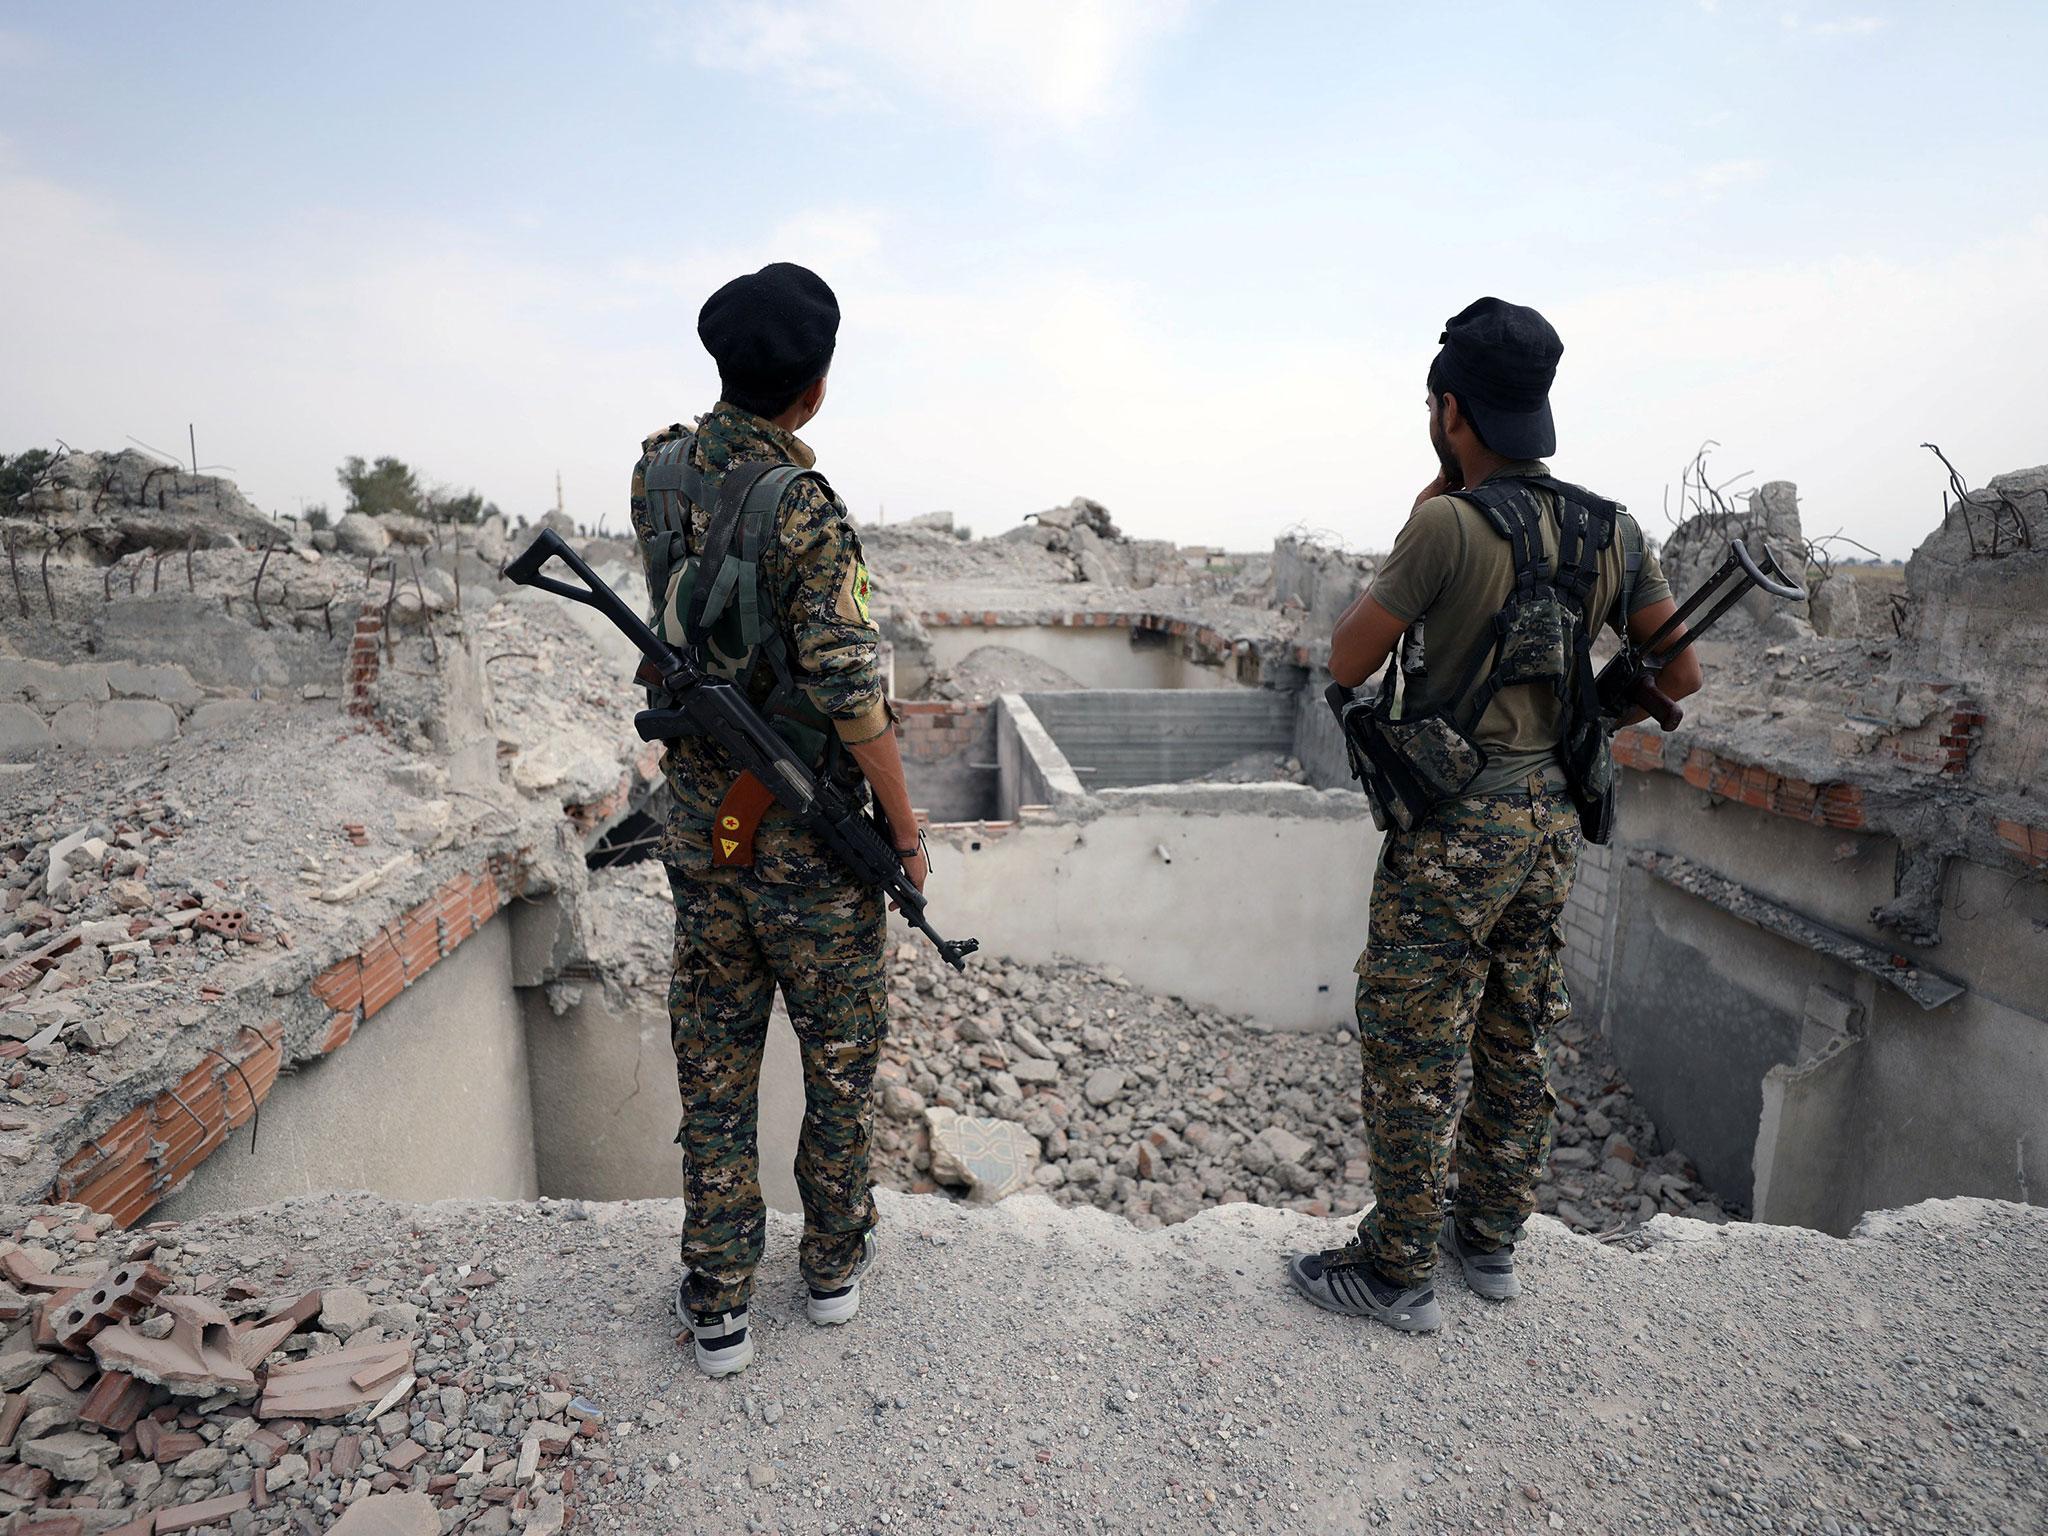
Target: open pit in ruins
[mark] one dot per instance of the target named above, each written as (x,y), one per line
(324,872)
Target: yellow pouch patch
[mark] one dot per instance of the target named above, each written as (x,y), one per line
(853,596)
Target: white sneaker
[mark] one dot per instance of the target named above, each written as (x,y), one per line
(722,1343)
(827,1308)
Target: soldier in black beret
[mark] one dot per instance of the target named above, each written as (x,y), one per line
(753,564)
(1501,767)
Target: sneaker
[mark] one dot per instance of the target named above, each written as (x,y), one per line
(839,1304)
(723,1345)
(1358,1291)
(1489,1274)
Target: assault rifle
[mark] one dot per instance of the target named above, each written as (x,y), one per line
(711,706)
(1629,681)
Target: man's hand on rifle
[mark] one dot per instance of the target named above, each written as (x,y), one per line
(881,764)
(915,868)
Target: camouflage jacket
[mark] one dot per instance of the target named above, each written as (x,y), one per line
(818,583)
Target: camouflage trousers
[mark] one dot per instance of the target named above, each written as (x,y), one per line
(1462,955)
(737,939)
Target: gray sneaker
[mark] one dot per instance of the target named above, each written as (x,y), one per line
(1356,1291)
(1491,1275)
(840,1304)
(721,1341)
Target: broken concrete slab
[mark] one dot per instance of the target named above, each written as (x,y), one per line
(164,681)
(119,725)
(23,733)
(72,1456)
(992,1158)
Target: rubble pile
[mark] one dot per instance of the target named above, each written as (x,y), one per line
(1068,1077)
(92,508)
(988,670)
(87,904)
(157,1382)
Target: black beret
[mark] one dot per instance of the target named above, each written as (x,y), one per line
(772,330)
(1499,360)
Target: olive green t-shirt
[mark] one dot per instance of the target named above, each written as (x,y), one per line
(1450,572)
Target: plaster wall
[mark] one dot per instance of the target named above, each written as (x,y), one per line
(1708,1017)
(1098,657)
(428,1101)
(605,1106)
(1250,899)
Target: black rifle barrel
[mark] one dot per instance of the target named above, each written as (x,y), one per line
(713,707)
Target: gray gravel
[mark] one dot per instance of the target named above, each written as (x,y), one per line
(1028,1368)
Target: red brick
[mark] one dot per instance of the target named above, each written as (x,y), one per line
(340,986)
(341,1028)
(383,974)
(419,941)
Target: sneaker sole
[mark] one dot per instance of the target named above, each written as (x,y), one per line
(834,1311)
(725,1362)
(1429,1319)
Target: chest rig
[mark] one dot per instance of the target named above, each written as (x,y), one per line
(1542,638)
(711,600)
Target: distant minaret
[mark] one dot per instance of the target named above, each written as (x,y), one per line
(558,491)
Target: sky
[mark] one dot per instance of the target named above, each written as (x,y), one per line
(1190,258)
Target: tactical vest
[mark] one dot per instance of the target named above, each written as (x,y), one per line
(1542,637)
(713,602)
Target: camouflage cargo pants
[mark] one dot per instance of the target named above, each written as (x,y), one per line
(1462,955)
(737,938)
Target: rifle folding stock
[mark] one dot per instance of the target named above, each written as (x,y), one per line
(713,707)
(1629,681)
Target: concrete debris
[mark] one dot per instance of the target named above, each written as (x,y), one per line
(392,1514)
(335,1384)
(1168,1130)
(94,508)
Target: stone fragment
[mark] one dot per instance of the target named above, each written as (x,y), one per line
(1042,1071)
(391,1514)
(992,1158)
(360,534)
(72,1456)
(1285,1146)
(344,1311)
(1103,1086)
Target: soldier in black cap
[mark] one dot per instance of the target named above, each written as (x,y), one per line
(753,565)
(1511,571)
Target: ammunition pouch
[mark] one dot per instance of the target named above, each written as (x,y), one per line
(1408,766)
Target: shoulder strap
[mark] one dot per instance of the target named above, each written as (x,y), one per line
(670,481)
(717,571)
(1633,550)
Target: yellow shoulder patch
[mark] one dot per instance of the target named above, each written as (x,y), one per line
(853,595)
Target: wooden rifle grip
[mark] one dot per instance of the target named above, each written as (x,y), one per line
(647,676)
(1665,712)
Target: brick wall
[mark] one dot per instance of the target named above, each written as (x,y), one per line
(152,1149)
(930,730)
(1588,931)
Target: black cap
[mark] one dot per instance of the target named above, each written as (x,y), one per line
(1499,359)
(772,331)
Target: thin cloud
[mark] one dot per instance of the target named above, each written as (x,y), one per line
(1058,64)
(1713,180)
(1839,26)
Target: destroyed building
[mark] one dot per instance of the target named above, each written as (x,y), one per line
(324,872)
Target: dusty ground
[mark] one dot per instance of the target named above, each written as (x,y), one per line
(1031,1369)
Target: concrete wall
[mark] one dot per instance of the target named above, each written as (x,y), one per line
(1114,738)
(605,1107)
(1097,657)
(1247,898)
(428,1102)
(1713,1020)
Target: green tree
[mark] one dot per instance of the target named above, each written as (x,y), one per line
(389,485)
(446,505)
(19,474)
